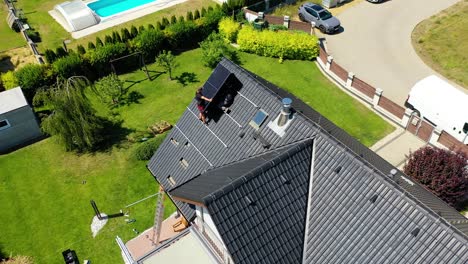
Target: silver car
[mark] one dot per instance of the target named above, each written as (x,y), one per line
(323,19)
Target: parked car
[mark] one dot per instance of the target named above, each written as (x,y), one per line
(323,19)
(375,1)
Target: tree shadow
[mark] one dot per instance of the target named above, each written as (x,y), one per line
(134,97)
(186,78)
(114,134)
(6,64)
(155,74)
(114,215)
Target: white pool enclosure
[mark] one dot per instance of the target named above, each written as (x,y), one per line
(77,15)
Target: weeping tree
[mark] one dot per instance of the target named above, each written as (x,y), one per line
(73,120)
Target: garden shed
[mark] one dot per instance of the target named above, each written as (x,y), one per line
(18,124)
(76,15)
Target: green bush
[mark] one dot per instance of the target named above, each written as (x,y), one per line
(183,35)
(209,22)
(214,48)
(116,37)
(181,19)
(108,40)
(277,27)
(189,16)
(173,20)
(159,26)
(81,50)
(150,26)
(281,44)
(91,46)
(9,80)
(196,15)
(68,66)
(99,42)
(100,57)
(33,35)
(203,12)
(165,22)
(50,55)
(141,29)
(126,36)
(60,51)
(149,43)
(229,28)
(32,77)
(146,150)
(133,31)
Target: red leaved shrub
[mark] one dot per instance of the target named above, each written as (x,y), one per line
(443,172)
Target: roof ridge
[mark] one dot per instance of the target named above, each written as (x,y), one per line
(292,149)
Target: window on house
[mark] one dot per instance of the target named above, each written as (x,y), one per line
(174,141)
(171,180)
(184,163)
(4,124)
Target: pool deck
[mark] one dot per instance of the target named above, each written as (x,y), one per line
(118,19)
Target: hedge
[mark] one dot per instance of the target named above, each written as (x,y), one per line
(282,44)
(149,43)
(32,77)
(229,29)
(101,56)
(68,66)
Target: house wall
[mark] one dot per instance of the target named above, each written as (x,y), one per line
(23,127)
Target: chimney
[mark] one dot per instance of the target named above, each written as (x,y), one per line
(285,112)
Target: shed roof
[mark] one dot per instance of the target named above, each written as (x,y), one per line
(11,100)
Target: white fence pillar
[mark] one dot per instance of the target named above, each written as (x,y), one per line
(349,81)
(377,95)
(406,117)
(286,20)
(435,136)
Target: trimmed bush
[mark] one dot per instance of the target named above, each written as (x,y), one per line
(183,35)
(150,26)
(214,48)
(108,40)
(50,55)
(9,80)
(81,50)
(141,29)
(189,16)
(181,19)
(173,20)
(445,173)
(32,77)
(99,42)
(159,26)
(116,37)
(281,44)
(60,51)
(146,150)
(209,22)
(126,36)
(229,28)
(91,46)
(149,43)
(68,66)
(100,57)
(165,22)
(133,31)
(203,12)
(196,15)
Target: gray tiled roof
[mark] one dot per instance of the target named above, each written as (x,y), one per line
(402,223)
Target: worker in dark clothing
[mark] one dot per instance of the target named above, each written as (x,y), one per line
(201,104)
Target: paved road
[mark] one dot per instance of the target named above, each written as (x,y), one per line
(376,43)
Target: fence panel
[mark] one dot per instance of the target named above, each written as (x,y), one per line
(425,131)
(363,87)
(275,20)
(452,143)
(297,25)
(391,107)
(323,55)
(339,71)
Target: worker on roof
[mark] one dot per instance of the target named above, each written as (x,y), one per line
(201,104)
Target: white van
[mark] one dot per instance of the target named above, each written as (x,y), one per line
(441,104)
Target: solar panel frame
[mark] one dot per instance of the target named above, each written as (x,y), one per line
(214,83)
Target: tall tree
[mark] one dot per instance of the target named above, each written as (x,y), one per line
(73,121)
(443,172)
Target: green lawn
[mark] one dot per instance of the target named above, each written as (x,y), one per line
(442,42)
(45,205)
(6,33)
(52,34)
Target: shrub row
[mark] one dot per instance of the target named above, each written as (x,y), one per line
(229,29)
(281,44)
(94,62)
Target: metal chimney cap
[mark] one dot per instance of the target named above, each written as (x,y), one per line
(286,101)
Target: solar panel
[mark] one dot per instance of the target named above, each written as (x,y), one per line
(215,81)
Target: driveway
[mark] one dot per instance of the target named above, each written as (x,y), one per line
(376,43)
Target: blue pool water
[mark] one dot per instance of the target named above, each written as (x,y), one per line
(106,8)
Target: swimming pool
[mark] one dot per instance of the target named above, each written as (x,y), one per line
(106,8)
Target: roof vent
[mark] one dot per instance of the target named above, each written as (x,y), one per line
(393,172)
(338,169)
(415,232)
(284,180)
(285,112)
(373,198)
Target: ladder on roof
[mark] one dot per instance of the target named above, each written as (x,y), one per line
(158,216)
